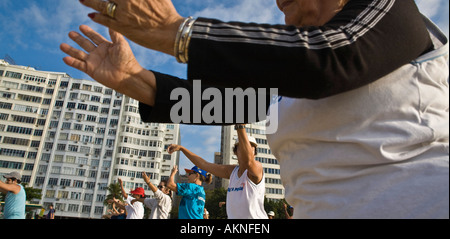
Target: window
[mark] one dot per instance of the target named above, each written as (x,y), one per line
(73,207)
(73,148)
(19,130)
(84,97)
(98,89)
(89,128)
(75,86)
(75,137)
(86,209)
(78,127)
(65,182)
(30,98)
(87,87)
(71,105)
(61,147)
(95,98)
(82,106)
(12,74)
(53,181)
(66,125)
(78,183)
(91,118)
(87,139)
(75,195)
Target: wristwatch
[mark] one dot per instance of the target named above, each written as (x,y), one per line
(239,126)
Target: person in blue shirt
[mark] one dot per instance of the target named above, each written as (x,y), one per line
(193,202)
(14,207)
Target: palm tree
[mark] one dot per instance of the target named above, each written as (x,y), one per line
(114,191)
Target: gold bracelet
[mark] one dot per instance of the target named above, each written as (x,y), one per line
(183,39)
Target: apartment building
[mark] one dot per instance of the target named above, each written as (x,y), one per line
(274,187)
(142,147)
(26,98)
(72,138)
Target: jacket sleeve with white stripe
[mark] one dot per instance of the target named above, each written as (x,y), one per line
(365,41)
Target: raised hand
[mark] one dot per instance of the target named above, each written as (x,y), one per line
(150,23)
(110,63)
(173,148)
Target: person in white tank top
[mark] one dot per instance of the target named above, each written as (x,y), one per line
(245,197)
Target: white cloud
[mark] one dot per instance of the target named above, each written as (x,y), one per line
(436,10)
(245,11)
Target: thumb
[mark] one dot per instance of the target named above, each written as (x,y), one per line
(115,36)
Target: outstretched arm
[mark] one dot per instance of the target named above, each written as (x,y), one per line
(5,188)
(246,157)
(149,184)
(124,193)
(219,170)
(171,182)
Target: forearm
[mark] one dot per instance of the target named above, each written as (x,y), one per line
(2,187)
(141,86)
(161,112)
(247,157)
(151,186)
(124,193)
(194,158)
(171,183)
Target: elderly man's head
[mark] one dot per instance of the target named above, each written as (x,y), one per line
(309,12)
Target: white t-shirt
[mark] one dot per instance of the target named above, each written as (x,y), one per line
(245,199)
(160,205)
(379,151)
(135,210)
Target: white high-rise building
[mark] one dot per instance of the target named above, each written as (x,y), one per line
(26,98)
(142,148)
(72,138)
(274,187)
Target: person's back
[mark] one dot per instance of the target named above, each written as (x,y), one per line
(15,205)
(380,151)
(193,202)
(160,205)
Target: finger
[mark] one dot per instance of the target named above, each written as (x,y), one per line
(75,63)
(93,35)
(98,5)
(73,52)
(103,20)
(115,36)
(82,42)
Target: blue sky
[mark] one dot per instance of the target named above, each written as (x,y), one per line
(32,30)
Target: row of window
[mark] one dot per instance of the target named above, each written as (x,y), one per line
(271,171)
(77,149)
(139,131)
(16,165)
(26,87)
(139,152)
(273,181)
(274,191)
(142,142)
(62,170)
(266,160)
(137,163)
(64,207)
(19,141)
(17,75)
